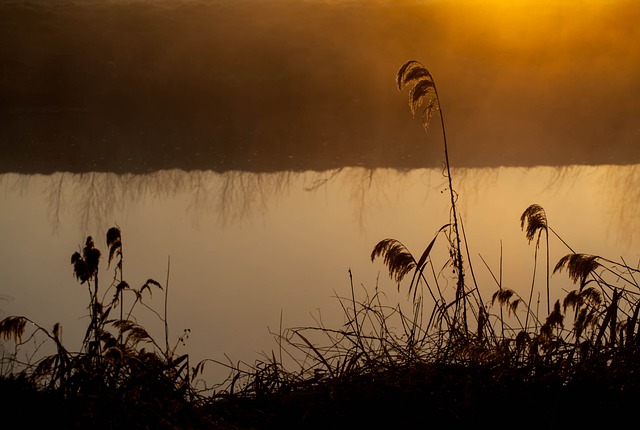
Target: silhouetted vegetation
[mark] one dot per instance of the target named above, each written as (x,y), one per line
(446,356)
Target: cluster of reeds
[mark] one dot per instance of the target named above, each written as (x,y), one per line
(120,376)
(449,353)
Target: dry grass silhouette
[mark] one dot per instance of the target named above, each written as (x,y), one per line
(120,376)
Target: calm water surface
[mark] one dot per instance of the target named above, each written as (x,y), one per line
(240,250)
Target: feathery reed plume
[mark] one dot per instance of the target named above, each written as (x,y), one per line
(555,319)
(423,91)
(147,285)
(112,365)
(120,288)
(503,296)
(114,242)
(396,257)
(13,328)
(585,303)
(535,219)
(134,332)
(578,266)
(85,269)
(85,265)
(588,296)
(400,261)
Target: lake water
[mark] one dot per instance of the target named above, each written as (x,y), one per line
(254,152)
(246,249)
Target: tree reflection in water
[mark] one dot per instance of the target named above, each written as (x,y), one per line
(95,198)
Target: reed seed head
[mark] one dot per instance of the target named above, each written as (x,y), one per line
(422,91)
(535,219)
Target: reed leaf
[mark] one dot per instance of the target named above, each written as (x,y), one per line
(423,261)
(425,254)
(177,361)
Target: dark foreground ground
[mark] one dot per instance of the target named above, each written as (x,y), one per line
(424,396)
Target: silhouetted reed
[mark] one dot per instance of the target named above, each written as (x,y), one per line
(120,376)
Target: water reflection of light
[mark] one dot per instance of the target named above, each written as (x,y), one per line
(246,246)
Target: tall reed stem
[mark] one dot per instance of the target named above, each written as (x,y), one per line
(458,262)
(424,96)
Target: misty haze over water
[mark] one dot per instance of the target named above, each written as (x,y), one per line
(127,86)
